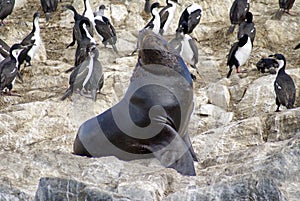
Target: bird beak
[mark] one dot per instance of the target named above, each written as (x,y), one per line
(271,55)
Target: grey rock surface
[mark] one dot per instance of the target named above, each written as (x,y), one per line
(246,151)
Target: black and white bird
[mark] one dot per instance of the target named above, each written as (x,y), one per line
(147,6)
(76,35)
(6,8)
(247,27)
(154,23)
(9,69)
(167,15)
(284,85)
(237,13)
(185,45)
(105,30)
(87,77)
(191,16)
(297,46)
(4,50)
(49,6)
(33,40)
(84,44)
(284,7)
(239,53)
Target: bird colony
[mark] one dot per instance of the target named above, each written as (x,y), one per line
(212,80)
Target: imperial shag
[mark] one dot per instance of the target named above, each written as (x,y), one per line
(76,29)
(32,40)
(6,8)
(9,69)
(185,45)
(237,13)
(105,30)
(284,7)
(49,6)
(247,27)
(284,85)
(190,16)
(167,15)
(239,54)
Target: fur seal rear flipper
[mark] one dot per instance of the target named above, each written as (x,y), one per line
(152,118)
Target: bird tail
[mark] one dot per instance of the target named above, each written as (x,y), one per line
(115,48)
(278,14)
(48,15)
(67,93)
(229,72)
(231,29)
(298,46)
(70,70)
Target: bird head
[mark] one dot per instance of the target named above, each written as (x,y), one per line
(249,17)
(280,59)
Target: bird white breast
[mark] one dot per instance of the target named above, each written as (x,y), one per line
(186,51)
(90,67)
(243,53)
(280,63)
(37,38)
(193,8)
(89,12)
(156,22)
(92,40)
(171,11)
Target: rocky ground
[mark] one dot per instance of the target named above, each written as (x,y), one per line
(246,151)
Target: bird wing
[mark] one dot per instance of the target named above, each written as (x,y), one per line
(6,9)
(232,51)
(193,20)
(237,15)
(96,76)
(282,3)
(247,28)
(285,89)
(175,43)
(4,49)
(105,31)
(150,24)
(78,76)
(163,16)
(8,73)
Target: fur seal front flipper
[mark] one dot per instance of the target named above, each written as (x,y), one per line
(173,154)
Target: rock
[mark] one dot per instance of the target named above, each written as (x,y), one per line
(217,143)
(118,13)
(282,30)
(246,151)
(238,88)
(217,116)
(259,98)
(244,189)
(218,95)
(283,125)
(61,189)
